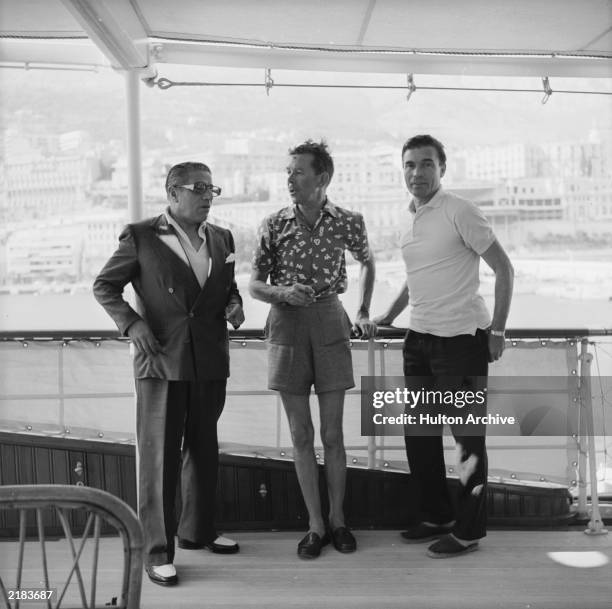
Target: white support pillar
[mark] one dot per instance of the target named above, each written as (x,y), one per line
(134,165)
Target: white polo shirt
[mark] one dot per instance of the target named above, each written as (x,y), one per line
(441,246)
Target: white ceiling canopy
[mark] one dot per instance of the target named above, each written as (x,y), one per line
(469,37)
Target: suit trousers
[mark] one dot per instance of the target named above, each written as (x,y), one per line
(450,363)
(176,422)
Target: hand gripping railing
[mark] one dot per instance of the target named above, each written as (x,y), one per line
(101,506)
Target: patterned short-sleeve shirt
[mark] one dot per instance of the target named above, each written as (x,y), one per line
(290,252)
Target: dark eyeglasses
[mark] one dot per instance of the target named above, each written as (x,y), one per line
(201,188)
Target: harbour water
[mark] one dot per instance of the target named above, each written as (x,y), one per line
(539,304)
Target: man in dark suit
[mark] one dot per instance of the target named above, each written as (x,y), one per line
(182,271)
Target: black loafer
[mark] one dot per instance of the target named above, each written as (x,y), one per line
(216,548)
(161,580)
(343,540)
(310,546)
(448,546)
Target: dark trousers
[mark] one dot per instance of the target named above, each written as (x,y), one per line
(174,417)
(449,364)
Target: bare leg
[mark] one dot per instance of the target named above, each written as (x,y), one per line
(297,408)
(331,406)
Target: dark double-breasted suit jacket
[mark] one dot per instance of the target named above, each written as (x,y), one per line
(188,321)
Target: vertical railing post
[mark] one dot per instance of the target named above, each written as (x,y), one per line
(595,523)
(60,388)
(371,372)
(134,163)
(581,439)
(278,419)
(383,372)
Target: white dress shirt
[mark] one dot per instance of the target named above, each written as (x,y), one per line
(198,259)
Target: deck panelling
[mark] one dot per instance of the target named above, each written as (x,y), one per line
(511,571)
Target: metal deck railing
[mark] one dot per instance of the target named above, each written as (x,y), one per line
(41,373)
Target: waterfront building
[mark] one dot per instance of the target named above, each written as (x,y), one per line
(536,198)
(45,254)
(588,199)
(366,173)
(543,160)
(37,186)
(71,249)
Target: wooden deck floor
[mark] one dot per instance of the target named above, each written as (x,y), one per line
(511,570)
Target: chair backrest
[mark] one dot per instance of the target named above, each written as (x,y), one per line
(37,504)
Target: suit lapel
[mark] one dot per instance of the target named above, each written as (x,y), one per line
(216,251)
(175,265)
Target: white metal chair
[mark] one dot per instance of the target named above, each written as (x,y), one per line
(100,507)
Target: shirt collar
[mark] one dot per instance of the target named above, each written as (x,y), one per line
(435,201)
(289,213)
(177,227)
(330,208)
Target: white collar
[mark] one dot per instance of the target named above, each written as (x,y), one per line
(177,227)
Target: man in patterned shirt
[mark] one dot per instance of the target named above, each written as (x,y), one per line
(301,249)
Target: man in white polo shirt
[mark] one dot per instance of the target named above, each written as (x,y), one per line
(450,340)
